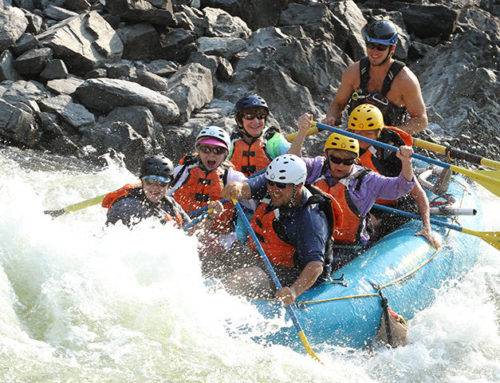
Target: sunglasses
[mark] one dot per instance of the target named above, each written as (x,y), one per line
(162,181)
(279,185)
(212,149)
(379,47)
(339,161)
(251,116)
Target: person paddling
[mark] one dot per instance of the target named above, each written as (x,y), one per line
(132,204)
(294,227)
(354,187)
(367,121)
(381,80)
(254,145)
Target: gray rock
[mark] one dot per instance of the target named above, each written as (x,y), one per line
(177,44)
(54,69)
(191,88)
(22,91)
(25,43)
(224,69)
(151,81)
(13,23)
(77,5)
(210,62)
(17,126)
(139,118)
(7,70)
(35,23)
(64,86)
(162,67)
(74,114)
(221,46)
(140,41)
(32,62)
(222,24)
(105,95)
(84,42)
(119,70)
(142,11)
(58,13)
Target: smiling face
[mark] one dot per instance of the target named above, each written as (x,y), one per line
(280,196)
(343,169)
(373,134)
(377,53)
(154,190)
(253,121)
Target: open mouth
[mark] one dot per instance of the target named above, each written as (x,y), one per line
(211,164)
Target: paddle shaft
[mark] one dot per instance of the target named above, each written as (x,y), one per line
(290,310)
(77,206)
(455,153)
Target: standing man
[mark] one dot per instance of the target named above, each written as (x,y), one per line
(381,80)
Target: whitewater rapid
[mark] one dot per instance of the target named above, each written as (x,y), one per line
(85,303)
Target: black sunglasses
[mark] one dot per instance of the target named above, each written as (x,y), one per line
(338,161)
(251,116)
(162,181)
(215,150)
(279,185)
(379,47)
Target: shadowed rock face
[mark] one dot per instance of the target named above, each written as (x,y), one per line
(140,77)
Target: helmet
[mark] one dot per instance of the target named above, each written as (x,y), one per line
(252,101)
(288,169)
(157,166)
(366,117)
(381,32)
(217,133)
(339,141)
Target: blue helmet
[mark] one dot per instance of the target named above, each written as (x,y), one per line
(381,32)
(252,101)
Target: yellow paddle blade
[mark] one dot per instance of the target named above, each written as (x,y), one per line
(489,179)
(307,346)
(491,237)
(291,137)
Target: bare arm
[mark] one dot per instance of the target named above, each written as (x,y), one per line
(305,280)
(423,207)
(414,102)
(347,86)
(404,154)
(304,123)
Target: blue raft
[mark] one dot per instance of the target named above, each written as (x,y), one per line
(404,266)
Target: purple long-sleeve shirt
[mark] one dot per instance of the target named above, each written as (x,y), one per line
(373,186)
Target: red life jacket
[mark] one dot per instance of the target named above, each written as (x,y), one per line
(201,187)
(250,158)
(348,232)
(366,159)
(124,191)
(278,251)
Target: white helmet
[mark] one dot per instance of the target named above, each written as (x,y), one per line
(287,169)
(217,133)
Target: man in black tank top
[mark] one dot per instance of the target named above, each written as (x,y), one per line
(381,80)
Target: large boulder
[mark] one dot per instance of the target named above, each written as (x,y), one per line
(74,114)
(84,42)
(104,95)
(17,126)
(13,23)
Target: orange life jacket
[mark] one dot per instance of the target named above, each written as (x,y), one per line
(250,158)
(278,251)
(366,159)
(348,232)
(201,187)
(124,191)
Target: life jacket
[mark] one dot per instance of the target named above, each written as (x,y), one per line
(349,232)
(393,114)
(370,158)
(251,158)
(273,237)
(133,191)
(199,188)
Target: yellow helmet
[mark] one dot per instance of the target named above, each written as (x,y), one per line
(366,117)
(341,142)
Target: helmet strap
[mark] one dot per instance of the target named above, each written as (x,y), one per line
(389,55)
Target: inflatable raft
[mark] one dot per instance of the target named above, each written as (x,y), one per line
(401,266)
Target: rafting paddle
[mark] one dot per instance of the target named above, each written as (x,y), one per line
(276,281)
(490,237)
(75,207)
(455,153)
(490,179)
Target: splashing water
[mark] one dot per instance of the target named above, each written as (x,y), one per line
(81,302)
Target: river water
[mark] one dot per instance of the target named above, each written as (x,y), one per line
(84,303)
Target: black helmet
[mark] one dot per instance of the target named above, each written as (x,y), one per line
(252,101)
(157,166)
(381,32)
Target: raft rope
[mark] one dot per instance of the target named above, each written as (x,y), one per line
(302,305)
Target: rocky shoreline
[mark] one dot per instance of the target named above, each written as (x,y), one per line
(84,78)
